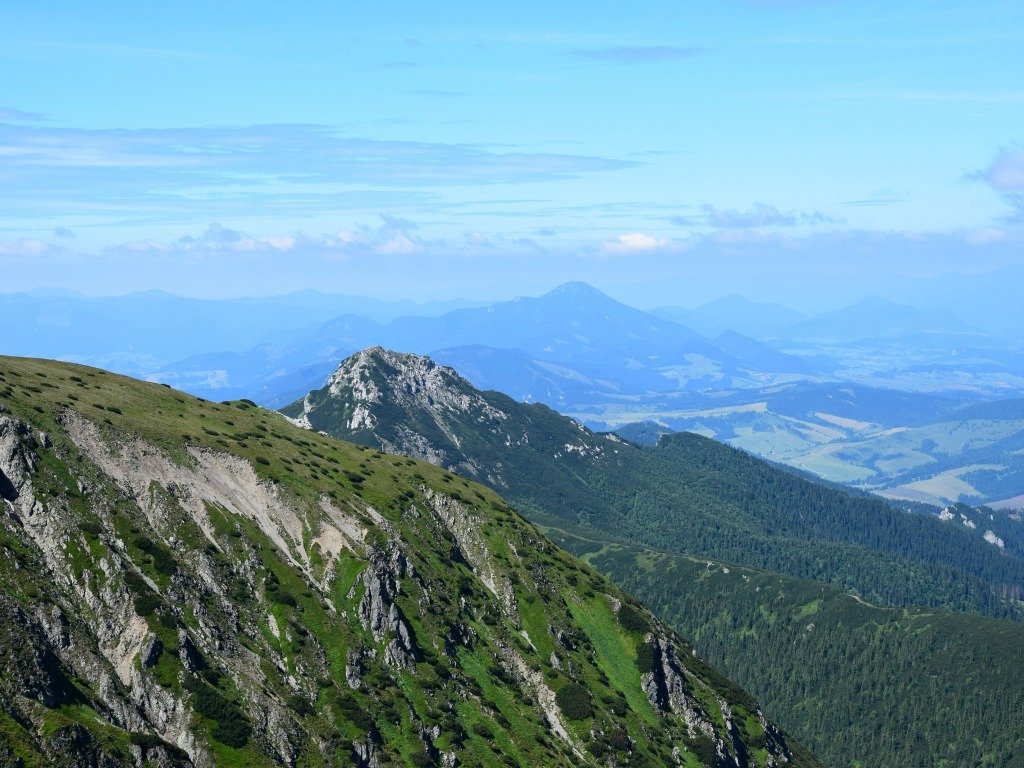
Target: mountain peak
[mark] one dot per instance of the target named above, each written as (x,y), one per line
(577,290)
(411,386)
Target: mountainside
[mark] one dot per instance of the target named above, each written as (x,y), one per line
(661,521)
(689,495)
(823,661)
(185,583)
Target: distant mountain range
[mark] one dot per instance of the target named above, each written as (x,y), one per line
(760,376)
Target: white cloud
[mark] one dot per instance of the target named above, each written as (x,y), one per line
(1006,172)
(634,242)
(27,247)
(986,236)
(398,244)
(1005,175)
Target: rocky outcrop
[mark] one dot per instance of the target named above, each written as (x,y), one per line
(668,689)
(379,612)
(17,462)
(465,529)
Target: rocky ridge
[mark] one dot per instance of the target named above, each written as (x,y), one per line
(186,583)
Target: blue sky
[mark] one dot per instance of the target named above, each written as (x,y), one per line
(667,152)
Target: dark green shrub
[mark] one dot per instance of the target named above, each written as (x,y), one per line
(146,604)
(483,730)
(230,726)
(633,619)
(284,597)
(703,748)
(645,658)
(574,701)
(619,740)
(354,712)
(421,758)
(300,705)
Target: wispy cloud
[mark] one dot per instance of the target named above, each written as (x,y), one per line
(1005,175)
(639,54)
(170,172)
(437,92)
(117,50)
(27,247)
(20,116)
(873,201)
(760,215)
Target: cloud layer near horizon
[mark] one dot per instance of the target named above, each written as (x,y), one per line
(171,173)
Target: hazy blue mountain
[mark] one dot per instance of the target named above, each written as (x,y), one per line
(145,330)
(569,348)
(877,317)
(736,313)
(763,357)
(572,323)
(986,300)
(523,377)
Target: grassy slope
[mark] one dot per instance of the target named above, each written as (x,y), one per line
(462,686)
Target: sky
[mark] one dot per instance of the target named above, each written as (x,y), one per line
(668,152)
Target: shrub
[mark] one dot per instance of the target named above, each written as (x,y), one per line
(633,619)
(574,701)
(703,748)
(146,604)
(645,658)
(230,726)
(421,758)
(352,711)
(300,705)
(619,740)
(483,730)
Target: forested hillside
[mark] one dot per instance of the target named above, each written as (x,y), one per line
(689,495)
(857,682)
